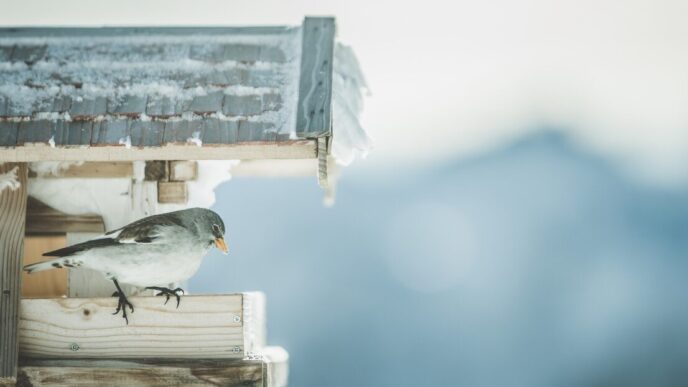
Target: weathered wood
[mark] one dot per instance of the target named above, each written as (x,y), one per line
(287,149)
(156,170)
(314,111)
(12,222)
(42,219)
(93,169)
(184,170)
(323,146)
(266,369)
(49,283)
(172,192)
(220,326)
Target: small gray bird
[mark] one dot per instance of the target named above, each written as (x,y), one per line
(155,250)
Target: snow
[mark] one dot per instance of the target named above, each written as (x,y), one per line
(52,168)
(349,140)
(52,141)
(150,64)
(126,141)
(201,192)
(195,139)
(8,180)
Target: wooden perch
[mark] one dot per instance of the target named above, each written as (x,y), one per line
(265,369)
(221,327)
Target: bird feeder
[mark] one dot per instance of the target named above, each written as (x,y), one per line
(103,126)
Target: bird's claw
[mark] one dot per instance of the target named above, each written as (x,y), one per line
(122,304)
(167,293)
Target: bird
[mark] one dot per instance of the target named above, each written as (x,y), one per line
(150,252)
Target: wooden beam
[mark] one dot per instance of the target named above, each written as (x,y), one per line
(219,326)
(183,170)
(12,222)
(314,111)
(292,149)
(174,192)
(93,169)
(266,369)
(42,219)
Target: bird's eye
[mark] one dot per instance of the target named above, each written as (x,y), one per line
(216,230)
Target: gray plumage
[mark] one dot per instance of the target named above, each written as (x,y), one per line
(156,250)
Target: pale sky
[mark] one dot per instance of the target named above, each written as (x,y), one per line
(453,78)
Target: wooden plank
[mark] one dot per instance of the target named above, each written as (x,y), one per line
(202,327)
(12,222)
(174,192)
(184,170)
(42,219)
(314,111)
(267,369)
(49,283)
(94,169)
(287,149)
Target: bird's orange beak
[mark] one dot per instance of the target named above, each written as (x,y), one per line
(220,244)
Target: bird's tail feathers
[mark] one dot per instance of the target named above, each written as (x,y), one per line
(57,263)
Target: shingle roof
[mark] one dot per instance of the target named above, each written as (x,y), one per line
(148,86)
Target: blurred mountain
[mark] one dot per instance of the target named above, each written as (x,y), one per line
(537,264)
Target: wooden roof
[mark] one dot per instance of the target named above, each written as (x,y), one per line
(104,94)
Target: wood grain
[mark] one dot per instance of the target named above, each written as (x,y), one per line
(12,222)
(94,169)
(314,111)
(288,149)
(266,369)
(172,192)
(202,327)
(49,283)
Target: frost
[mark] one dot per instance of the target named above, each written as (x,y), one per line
(349,86)
(144,118)
(195,139)
(9,180)
(52,168)
(126,141)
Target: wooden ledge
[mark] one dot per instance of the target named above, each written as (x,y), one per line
(214,326)
(269,368)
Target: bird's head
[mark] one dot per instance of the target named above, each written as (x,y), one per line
(219,237)
(210,228)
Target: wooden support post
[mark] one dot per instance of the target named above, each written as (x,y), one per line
(12,223)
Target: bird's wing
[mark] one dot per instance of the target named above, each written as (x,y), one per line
(144,231)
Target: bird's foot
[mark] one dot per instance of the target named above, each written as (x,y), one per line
(167,292)
(122,305)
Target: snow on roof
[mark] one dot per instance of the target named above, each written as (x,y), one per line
(153,86)
(112,80)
